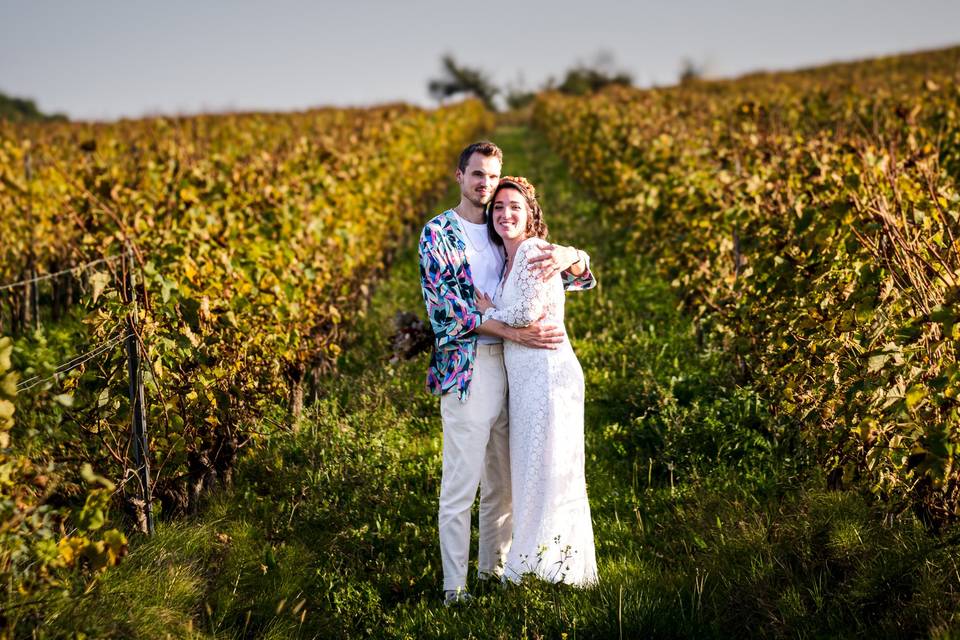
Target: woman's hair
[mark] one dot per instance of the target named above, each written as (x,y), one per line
(536,227)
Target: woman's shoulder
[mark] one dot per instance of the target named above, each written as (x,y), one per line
(532,247)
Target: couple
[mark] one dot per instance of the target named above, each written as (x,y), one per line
(494,291)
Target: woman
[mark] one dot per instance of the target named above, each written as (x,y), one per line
(552,532)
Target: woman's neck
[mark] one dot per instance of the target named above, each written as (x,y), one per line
(510,245)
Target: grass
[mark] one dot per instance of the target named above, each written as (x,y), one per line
(708,520)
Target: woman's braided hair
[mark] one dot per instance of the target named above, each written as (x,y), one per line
(536,227)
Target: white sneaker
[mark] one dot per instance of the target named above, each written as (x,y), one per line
(456,596)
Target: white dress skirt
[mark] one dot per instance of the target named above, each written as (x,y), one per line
(552,531)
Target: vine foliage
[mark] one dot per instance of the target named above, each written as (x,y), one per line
(810,221)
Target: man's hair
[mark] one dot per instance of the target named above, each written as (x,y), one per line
(484,148)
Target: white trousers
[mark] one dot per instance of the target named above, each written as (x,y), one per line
(476,451)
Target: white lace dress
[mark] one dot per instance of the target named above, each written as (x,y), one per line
(552,531)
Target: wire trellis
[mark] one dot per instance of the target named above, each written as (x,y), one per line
(48,276)
(30,383)
(127,333)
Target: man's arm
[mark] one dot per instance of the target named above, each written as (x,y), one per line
(451,317)
(572,263)
(539,335)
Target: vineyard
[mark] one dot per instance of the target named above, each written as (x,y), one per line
(250,242)
(810,222)
(770,359)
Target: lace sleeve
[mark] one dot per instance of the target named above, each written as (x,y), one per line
(532,289)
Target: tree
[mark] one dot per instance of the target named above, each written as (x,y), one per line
(23,109)
(458,80)
(580,81)
(691,71)
(589,78)
(517,96)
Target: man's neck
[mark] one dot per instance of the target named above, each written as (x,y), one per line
(469,211)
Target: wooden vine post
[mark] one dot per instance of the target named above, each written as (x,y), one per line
(141,450)
(32,301)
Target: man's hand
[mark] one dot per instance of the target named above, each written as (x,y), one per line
(539,335)
(554,259)
(483,302)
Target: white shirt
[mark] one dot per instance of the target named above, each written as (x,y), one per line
(486,262)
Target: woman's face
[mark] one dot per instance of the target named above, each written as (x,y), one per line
(510,214)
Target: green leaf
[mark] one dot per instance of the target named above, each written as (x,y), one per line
(88,475)
(943,315)
(94,519)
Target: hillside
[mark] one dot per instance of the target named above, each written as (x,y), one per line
(769,358)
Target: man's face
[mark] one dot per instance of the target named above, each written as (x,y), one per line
(479,179)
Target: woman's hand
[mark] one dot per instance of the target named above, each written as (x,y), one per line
(484,302)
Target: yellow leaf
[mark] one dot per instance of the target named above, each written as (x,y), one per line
(70,549)
(8,384)
(64,399)
(189,195)
(915,395)
(99,280)
(6,349)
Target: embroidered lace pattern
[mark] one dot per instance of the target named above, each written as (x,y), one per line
(552,531)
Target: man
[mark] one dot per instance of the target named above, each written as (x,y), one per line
(458,259)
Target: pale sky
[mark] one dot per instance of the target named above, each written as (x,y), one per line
(100,59)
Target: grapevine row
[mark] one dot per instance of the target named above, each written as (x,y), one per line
(810,221)
(256,239)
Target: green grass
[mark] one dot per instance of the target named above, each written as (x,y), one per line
(708,521)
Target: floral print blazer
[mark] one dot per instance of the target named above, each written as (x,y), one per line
(448,292)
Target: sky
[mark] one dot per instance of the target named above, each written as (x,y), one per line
(99,59)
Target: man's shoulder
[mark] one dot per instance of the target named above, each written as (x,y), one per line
(436,226)
(438,221)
